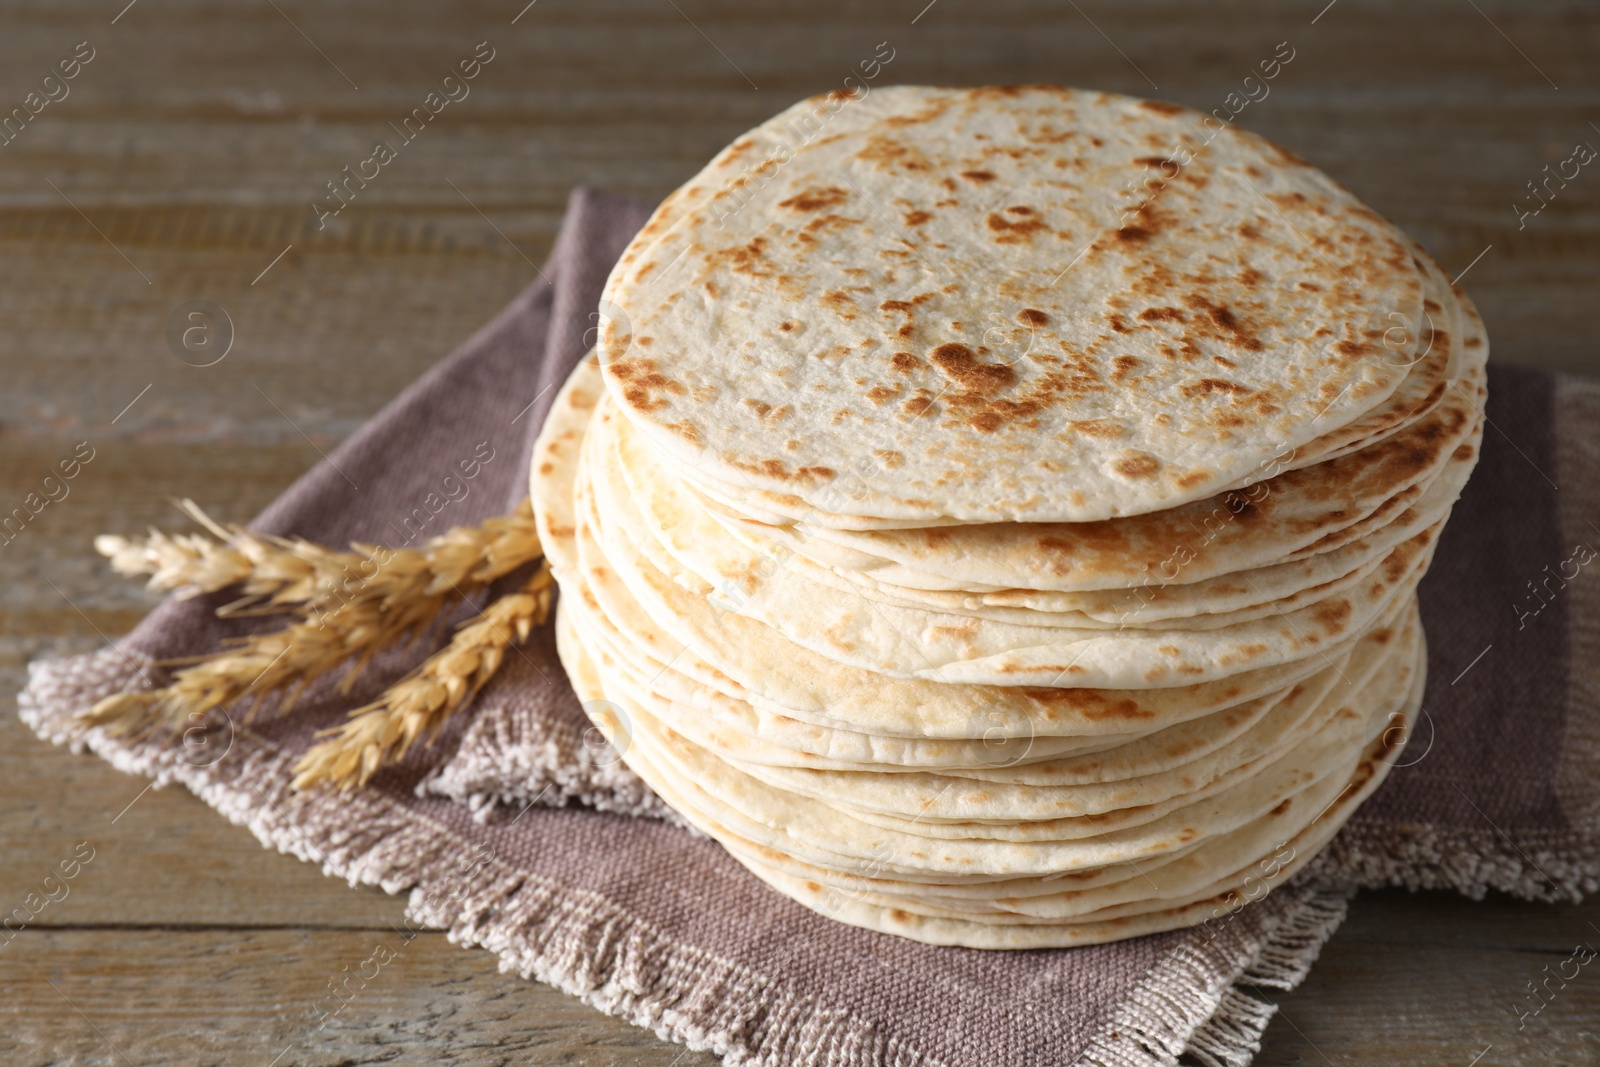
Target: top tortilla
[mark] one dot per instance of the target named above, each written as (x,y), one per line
(1028,304)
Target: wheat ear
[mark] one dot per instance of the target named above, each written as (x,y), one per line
(382,732)
(259,665)
(284,572)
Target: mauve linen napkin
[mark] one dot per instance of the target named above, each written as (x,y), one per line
(520,832)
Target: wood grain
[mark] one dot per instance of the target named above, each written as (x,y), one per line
(285,997)
(185,160)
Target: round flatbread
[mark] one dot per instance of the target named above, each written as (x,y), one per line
(959,289)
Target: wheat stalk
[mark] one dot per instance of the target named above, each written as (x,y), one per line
(395,593)
(283,572)
(263,664)
(382,732)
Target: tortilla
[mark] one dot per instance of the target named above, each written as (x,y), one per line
(966,260)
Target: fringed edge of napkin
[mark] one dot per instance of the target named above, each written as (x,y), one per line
(1189,1005)
(1198,1001)
(512,756)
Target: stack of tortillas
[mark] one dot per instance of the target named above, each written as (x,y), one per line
(995,515)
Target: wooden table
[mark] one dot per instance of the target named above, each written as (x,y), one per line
(181,165)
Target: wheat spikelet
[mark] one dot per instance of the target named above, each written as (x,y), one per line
(382,732)
(187,563)
(279,570)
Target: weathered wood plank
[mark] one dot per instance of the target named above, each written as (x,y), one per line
(293,998)
(1403,1001)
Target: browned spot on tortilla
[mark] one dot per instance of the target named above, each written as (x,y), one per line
(840,301)
(1137,465)
(1105,429)
(1011,232)
(1162,314)
(808,233)
(960,364)
(816,199)
(917,218)
(978,175)
(1161,107)
(882,394)
(786,326)
(890,459)
(1281,808)
(1226,323)
(643,383)
(744,259)
(920,403)
(904,362)
(685,430)
(1207,386)
(1033,317)
(1092,704)
(1246,653)
(888,152)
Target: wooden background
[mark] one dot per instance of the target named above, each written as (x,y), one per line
(182,166)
